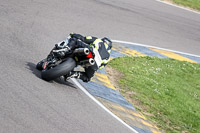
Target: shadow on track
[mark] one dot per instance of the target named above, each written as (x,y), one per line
(37,73)
(32,67)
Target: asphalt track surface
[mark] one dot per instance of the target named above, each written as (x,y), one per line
(30,28)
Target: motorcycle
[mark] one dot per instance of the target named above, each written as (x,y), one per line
(55,65)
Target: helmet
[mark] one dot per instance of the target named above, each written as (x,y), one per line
(107,41)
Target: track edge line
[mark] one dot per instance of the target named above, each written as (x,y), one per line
(101,105)
(144,45)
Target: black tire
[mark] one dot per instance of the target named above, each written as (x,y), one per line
(62,69)
(39,65)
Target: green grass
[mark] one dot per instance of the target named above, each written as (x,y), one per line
(168,90)
(195,4)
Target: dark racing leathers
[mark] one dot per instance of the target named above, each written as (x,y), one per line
(78,41)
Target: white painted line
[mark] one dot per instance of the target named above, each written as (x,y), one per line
(101,105)
(178,6)
(155,47)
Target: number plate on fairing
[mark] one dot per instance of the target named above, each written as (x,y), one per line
(44,65)
(97,57)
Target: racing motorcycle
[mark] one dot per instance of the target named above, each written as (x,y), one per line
(57,64)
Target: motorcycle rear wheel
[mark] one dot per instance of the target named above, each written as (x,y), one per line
(60,70)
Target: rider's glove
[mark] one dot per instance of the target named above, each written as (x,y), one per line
(71,34)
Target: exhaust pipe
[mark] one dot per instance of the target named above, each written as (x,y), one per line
(82,51)
(87,63)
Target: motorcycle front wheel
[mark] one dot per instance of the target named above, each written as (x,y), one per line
(60,70)
(39,65)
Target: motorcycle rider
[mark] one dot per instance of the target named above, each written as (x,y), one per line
(101,46)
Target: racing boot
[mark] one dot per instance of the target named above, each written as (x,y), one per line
(78,75)
(72,74)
